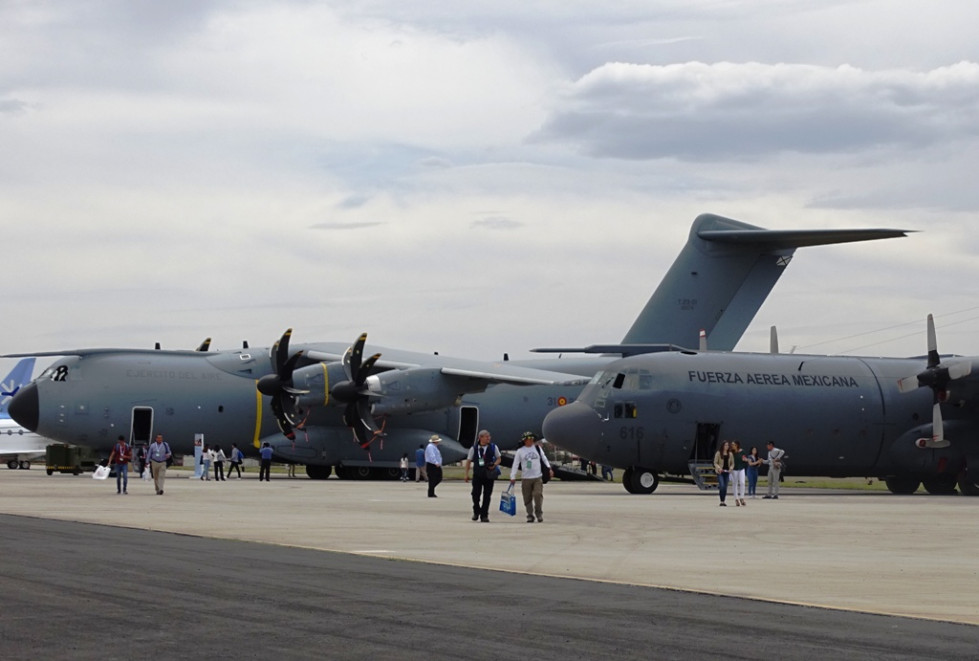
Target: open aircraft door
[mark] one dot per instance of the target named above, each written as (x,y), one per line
(467,425)
(701,462)
(141,430)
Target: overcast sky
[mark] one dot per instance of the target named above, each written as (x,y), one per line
(477,178)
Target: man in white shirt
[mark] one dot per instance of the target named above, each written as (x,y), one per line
(433,464)
(530,462)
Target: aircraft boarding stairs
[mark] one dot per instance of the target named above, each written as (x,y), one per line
(703,474)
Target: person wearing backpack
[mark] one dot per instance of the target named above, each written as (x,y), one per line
(485,459)
(237,456)
(532,465)
(158,455)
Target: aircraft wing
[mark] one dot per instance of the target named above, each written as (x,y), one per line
(517,376)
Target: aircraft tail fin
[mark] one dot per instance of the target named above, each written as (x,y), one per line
(19,376)
(721,278)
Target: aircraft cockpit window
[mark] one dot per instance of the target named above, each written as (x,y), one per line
(619,380)
(637,380)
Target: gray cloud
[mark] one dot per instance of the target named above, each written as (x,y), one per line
(497,223)
(12,106)
(344,225)
(695,111)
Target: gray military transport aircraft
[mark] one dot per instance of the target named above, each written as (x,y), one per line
(327,406)
(834,416)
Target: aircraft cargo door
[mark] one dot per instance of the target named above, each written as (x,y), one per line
(142,425)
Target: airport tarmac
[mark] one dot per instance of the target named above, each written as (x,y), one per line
(861,551)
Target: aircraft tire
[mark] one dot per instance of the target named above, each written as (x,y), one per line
(12,464)
(318,472)
(968,484)
(644,481)
(941,485)
(386,474)
(25,465)
(903,486)
(627,480)
(50,471)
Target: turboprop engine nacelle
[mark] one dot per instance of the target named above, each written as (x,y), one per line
(411,390)
(315,380)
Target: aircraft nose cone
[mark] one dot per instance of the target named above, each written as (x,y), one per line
(574,427)
(24,407)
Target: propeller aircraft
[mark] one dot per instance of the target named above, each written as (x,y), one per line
(327,406)
(665,413)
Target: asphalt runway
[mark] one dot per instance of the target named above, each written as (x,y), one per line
(180,575)
(85,591)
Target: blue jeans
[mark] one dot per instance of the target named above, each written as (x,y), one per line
(722,480)
(122,477)
(752,479)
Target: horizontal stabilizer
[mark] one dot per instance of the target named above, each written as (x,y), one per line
(798,238)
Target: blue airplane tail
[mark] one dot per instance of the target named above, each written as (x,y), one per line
(20,375)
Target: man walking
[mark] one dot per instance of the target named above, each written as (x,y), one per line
(530,462)
(485,458)
(433,464)
(420,475)
(774,462)
(158,455)
(120,457)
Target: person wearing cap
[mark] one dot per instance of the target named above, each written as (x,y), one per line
(433,464)
(531,462)
(485,458)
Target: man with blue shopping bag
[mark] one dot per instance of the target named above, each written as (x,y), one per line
(485,459)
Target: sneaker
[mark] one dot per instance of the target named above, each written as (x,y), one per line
(723,505)
(484,519)
(766,497)
(530,519)
(774,497)
(540,519)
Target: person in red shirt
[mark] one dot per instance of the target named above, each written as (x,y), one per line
(120,457)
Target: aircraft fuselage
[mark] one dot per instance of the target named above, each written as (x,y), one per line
(833,416)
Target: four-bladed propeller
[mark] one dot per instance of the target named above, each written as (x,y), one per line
(279,386)
(351,391)
(937,377)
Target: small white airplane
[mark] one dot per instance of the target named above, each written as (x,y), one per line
(18,445)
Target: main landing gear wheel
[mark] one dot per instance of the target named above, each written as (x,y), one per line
(969,482)
(318,472)
(904,486)
(940,485)
(12,464)
(640,480)
(25,465)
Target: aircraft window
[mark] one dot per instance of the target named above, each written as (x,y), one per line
(46,373)
(645,380)
(619,379)
(627,410)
